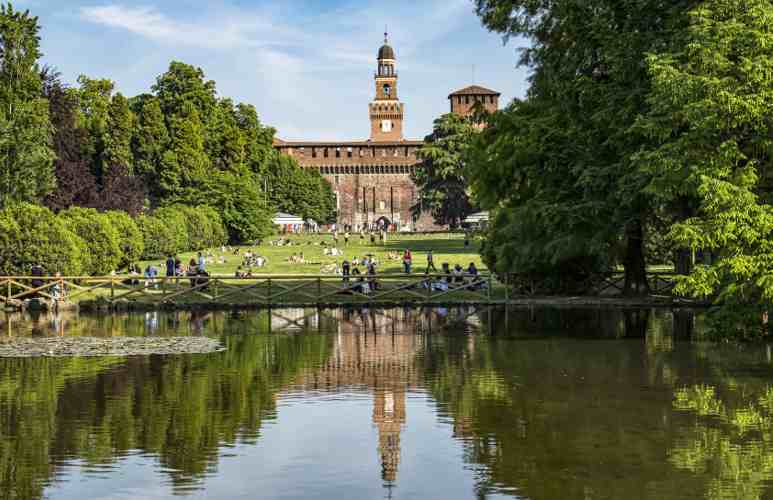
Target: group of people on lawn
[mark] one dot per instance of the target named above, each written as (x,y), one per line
(456,277)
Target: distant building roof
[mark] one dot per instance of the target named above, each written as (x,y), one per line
(405,142)
(475,90)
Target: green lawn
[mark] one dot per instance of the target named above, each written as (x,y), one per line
(445,247)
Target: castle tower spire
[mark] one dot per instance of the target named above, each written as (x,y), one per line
(386,111)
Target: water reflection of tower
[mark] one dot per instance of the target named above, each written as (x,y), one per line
(389,416)
(376,350)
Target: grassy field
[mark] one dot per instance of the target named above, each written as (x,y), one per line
(445,247)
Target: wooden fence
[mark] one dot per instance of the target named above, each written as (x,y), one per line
(257,290)
(599,284)
(268,290)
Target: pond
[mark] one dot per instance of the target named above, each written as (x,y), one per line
(459,403)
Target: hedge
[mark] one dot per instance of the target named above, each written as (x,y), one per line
(131,239)
(103,242)
(84,241)
(158,240)
(31,235)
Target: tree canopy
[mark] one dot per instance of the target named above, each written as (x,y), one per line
(441,177)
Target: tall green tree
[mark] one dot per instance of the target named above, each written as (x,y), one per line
(149,142)
(26,154)
(259,138)
(185,162)
(94,96)
(589,85)
(298,191)
(711,138)
(118,135)
(183,86)
(441,176)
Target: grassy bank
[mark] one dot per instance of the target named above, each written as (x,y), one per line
(448,248)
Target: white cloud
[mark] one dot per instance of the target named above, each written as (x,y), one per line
(223,34)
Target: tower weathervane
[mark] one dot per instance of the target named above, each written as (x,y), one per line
(386,33)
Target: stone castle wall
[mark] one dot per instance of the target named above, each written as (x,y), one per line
(372,181)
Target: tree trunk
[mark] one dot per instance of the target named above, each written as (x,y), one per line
(683,260)
(684,323)
(635,265)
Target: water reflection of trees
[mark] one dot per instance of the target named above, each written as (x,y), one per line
(179,409)
(556,417)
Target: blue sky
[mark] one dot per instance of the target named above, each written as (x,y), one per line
(307,66)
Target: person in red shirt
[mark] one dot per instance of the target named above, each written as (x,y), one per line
(407,261)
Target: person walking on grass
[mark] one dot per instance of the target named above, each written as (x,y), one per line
(346,239)
(430,262)
(202,264)
(407,261)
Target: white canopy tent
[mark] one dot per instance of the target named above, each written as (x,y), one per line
(281,219)
(477,218)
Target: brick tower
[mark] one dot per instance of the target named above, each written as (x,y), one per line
(386,111)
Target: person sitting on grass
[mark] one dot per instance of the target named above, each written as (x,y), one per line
(457,272)
(239,273)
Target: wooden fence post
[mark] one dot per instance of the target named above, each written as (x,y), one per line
(268,297)
(490,285)
(9,291)
(112,288)
(319,289)
(507,290)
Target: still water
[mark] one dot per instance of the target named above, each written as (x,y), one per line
(401,403)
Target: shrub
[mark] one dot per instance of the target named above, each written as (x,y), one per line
(218,235)
(204,226)
(240,202)
(157,239)
(31,235)
(103,244)
(175,228)
(131,239)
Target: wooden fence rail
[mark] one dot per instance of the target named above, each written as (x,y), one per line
(258,290)
(268,289)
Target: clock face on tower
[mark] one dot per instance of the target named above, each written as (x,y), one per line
(387,89)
